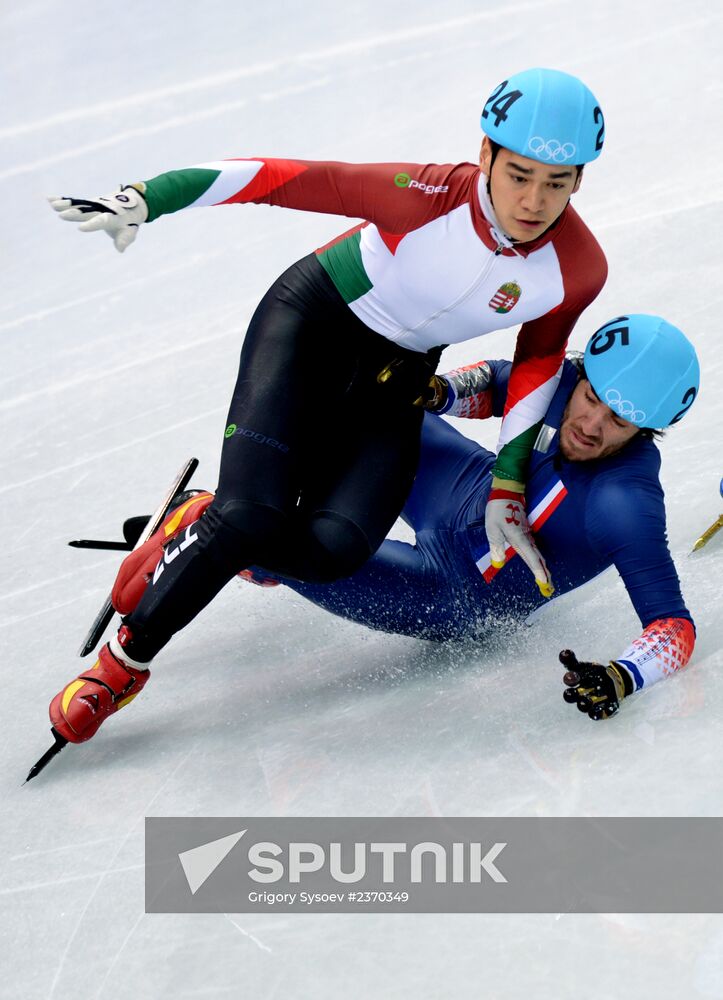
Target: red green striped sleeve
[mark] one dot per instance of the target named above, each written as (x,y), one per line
(394,196)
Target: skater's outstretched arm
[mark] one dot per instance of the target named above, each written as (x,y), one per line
(390,195)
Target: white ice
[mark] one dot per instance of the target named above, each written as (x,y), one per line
(115,369)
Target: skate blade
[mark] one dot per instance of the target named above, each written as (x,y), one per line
(707,535)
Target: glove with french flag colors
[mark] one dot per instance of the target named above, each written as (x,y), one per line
(595,688)
(118,214)
(507,528)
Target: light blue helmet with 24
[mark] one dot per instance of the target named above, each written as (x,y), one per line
(545,115)
(644,368)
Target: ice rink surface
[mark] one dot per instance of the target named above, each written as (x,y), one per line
(115,369)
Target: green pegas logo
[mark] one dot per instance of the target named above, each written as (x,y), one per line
(256,436)
(405,181)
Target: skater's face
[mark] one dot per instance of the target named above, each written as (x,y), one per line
(527,196)
(590,429)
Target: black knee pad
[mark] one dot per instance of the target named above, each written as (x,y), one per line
(244,530)
(339,547)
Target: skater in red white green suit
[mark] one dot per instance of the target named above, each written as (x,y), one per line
(446,253)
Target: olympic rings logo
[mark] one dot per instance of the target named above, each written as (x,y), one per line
(624,407)
(551,149)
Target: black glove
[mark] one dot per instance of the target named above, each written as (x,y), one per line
(595,688)
(435,394)
(412,380)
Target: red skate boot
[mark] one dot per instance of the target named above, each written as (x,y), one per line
(137,568)
(78,711)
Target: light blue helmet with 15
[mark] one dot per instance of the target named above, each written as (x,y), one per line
(545,115)
(644,368)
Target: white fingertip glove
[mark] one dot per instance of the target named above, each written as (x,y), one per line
(506,526)
(119,214)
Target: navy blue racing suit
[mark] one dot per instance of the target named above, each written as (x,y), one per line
(587,516)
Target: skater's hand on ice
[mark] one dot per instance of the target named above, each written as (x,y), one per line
(118,214)
(507,527)
(595,689)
